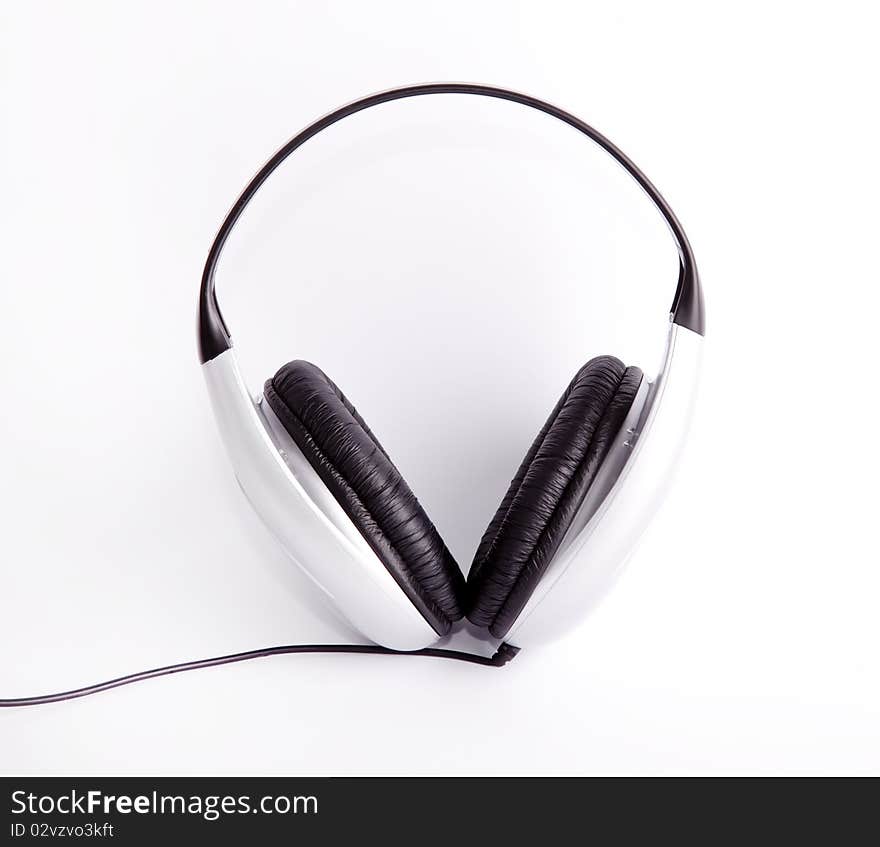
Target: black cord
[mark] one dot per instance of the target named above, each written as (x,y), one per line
(503,655)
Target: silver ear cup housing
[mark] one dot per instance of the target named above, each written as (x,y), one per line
(305,518)
(621,501)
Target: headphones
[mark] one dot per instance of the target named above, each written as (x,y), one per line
(328,491)
(331,495)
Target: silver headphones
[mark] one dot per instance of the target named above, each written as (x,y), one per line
(324,486)
(328,491)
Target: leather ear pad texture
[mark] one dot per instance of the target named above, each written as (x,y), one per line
(363,479)
(547,490)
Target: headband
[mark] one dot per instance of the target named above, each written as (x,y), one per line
(214,337)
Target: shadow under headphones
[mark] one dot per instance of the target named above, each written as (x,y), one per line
(331,495)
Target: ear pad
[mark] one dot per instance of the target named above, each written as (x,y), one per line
(363,479)
(545,493)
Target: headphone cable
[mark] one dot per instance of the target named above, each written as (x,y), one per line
(501,657)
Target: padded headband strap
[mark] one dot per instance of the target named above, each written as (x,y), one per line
(687,306)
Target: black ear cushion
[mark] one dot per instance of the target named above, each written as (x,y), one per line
(545,493)
(363,479)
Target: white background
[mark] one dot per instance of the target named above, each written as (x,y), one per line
(451,264)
